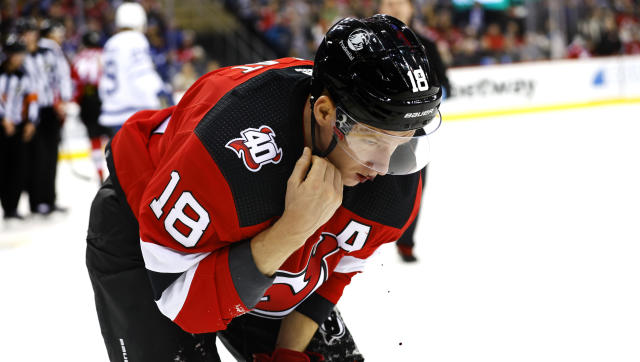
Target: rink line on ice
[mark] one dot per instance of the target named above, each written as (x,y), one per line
(78,154)
(13,241)
(538,109)
(67,156)
(14,237)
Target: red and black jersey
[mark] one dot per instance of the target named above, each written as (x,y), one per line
(204,177)
(85,72)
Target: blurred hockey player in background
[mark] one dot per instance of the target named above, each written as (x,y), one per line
(49,71)
(404,10)
(86,73)
(129,81)
(18,112)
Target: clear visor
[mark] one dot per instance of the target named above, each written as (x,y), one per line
(400,153)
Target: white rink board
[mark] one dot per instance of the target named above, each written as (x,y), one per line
(542,84)
(528,245)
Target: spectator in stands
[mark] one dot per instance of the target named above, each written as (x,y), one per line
(512,43)
(493,42)
(476,17)
(578,48)
(608,40)
(632,47)
(535,47)
(467,50)
(184,79)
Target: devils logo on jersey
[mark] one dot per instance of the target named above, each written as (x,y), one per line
(257,147)
(290,289)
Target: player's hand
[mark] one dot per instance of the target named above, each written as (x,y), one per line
(9,127)
(28,132)
(314,193)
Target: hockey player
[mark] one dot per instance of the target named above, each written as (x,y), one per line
(18,112)
(217,210)
(86,72)
(403,10)
(129,82)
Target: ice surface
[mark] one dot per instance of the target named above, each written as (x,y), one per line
(529,248)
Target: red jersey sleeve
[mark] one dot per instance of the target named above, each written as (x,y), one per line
(185,216)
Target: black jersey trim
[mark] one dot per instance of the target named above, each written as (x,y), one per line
(387,200)
(316,307)
(249,282)
(108,154)
(160,282)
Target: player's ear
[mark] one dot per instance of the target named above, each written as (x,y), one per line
(325,111)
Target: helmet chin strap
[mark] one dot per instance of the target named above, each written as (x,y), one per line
(314,149)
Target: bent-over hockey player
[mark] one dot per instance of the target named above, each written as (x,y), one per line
(244,211)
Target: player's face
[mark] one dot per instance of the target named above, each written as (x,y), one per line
(353,172)
(30,39)
(16,60)
(365,153)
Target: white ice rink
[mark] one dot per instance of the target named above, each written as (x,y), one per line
(529,247)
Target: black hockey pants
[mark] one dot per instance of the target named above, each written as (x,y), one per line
(13,167)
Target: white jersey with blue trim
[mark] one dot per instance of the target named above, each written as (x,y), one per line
(129,82)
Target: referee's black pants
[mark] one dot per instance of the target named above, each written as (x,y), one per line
(13,167)
(43,159)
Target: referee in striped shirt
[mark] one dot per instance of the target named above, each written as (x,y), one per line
(49,71)
(19,112)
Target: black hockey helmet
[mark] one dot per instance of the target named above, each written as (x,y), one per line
(91,39)
(13,45)
(377,71)
(47,26)
(24,25)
